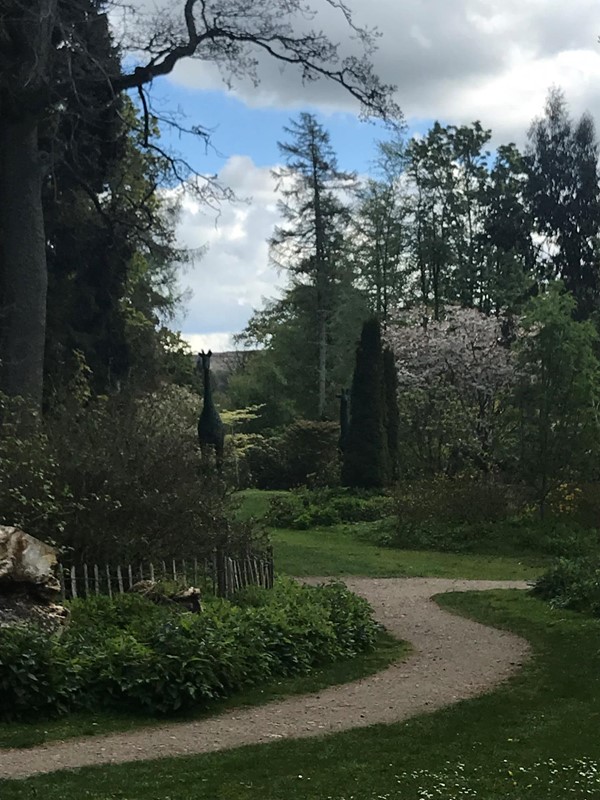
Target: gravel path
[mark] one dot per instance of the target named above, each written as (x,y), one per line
(454,659)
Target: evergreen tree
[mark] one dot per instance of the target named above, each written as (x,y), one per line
(379,232)
(283,376)
(564,193)
(557,398)
(309,244)
(366,457)
(111,261)
(392,415)
(508,274)
(54,69)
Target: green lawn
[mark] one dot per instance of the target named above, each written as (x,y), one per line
(496,747)
(338,551)
(27,734)
(255,502)
(345,550)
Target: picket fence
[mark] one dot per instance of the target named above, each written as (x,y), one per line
(227,574)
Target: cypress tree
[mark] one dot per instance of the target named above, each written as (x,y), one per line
(392,420)
(366,462)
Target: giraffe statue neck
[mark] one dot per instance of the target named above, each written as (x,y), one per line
(207,387)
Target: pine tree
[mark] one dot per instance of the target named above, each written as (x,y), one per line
(564,193)
(392,415)
(309,244)
(366,458)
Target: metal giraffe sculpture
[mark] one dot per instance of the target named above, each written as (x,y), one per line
(211,431)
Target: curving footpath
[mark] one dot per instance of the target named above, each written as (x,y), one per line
(454,659)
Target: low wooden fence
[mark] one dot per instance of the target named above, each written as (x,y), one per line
(227,574)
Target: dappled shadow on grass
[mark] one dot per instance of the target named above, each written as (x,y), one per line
(29,734)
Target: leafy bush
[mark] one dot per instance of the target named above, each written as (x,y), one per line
(131,653)
(35,674)
(518,534)
(304,453)
(304,508)
(116,478)
(454,500)
(572,583)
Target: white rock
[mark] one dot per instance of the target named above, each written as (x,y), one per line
(26,561)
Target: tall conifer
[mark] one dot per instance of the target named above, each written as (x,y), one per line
(392,417)
(366,461)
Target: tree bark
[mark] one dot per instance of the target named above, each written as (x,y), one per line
(23,262)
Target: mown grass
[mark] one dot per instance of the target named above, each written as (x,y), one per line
(255,502)
(349,550)
(340,550)
(28,734)
(486,748)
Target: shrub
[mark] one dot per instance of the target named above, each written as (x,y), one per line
(131,653)
(311,453)
(305,508)
(572,583)
(36,675)
(115,478)
(304,453)
(454,500)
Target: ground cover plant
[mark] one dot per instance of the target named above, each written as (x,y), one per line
(31,732)
(572,583)
(304,508)
(128,653)
(535,736)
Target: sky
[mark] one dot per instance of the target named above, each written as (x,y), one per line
(451,60)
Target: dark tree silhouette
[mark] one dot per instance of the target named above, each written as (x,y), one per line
(211,431)
(392,416)
(51,62)
(366,460)
(344,397)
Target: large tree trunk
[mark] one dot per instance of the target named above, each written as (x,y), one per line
(22,261)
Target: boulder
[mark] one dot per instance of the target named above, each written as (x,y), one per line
(27,564)
(28,581)
(19,608)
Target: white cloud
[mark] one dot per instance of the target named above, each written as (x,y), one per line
(217,342)
(454,59)
(233,276)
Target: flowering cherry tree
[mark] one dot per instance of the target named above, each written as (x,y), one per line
(453,375)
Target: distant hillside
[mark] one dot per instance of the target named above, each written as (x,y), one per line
(223,365)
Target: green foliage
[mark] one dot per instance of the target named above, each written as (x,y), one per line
(557,399)
(112,264)
(116,478)
(304,509)
(310,452)
(366,457)
(564,196)
(513,536)
(304,453)
(31,494)
(460,499)
(466,515)
(36,674)
(277,375)
(392,412)
(572,583)
(533,737)
(131,653)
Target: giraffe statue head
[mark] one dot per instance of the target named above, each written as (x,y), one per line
(203,360)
